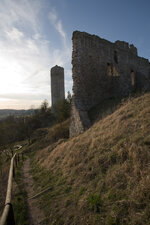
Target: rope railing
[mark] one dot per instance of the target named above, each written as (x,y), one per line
(7,217)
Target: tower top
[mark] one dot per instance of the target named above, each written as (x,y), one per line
(55,68)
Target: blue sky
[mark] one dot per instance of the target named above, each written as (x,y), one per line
(35,35)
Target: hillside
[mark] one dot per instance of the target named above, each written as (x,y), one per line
(101,176)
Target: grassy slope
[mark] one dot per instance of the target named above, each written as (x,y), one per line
(103,175)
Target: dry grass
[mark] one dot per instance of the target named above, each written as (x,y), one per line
(107,169)
(44,137)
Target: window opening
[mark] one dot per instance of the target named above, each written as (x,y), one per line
(109,72)
(115,72)
(132,78)
(115,57)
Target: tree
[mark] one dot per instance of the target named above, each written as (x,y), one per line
(62,108)
(44,106)
(69,97)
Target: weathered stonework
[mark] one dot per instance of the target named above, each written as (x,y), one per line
(103,70)
(57,84)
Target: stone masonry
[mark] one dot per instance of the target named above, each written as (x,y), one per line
(102,70)
(57,84)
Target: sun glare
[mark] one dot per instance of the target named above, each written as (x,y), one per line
(11,77)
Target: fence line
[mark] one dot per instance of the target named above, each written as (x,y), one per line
(8,214)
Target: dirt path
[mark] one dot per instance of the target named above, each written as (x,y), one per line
(35,214)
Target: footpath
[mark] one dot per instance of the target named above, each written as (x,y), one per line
(35,214)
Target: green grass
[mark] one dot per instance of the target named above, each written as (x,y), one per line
(94,202)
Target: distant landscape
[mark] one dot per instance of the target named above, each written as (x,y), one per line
(15,112)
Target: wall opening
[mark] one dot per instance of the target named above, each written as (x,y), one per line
(132,78)
(109,72)
(116,57)
(115,72)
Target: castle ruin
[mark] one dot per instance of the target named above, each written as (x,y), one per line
(102,70)
(57,84)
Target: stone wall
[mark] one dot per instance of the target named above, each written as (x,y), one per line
(102,70)
(57,84)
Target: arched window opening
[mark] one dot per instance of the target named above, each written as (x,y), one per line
(109,72)
(115,72)
(132,78)
(115,57)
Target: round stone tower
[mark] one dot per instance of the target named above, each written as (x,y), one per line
(57,84)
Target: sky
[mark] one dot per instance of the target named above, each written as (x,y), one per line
(35,35)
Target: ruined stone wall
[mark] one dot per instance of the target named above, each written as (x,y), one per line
(57,84)
(102,70)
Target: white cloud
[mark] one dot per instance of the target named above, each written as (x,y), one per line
(56,22)
(53,16)
(26,55)
(19,12)
(60,29)
(14,34)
